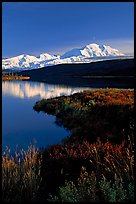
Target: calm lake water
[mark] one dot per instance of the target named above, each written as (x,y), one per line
(21,125)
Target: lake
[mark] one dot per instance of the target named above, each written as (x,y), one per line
(21,125)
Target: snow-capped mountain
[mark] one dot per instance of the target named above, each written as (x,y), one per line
(92,50)
(27,61)
(86,54)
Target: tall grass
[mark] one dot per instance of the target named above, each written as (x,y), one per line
(21,175)
(111,178)
(105,157)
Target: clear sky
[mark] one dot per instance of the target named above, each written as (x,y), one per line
(56,27)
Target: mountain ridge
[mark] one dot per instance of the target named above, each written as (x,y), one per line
(88,53)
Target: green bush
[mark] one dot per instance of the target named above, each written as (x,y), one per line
(89,189)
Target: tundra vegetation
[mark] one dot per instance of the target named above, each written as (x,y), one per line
(94,163)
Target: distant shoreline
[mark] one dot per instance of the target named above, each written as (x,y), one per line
(9,78)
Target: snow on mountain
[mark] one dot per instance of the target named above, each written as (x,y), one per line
(69,60)
(88,53)
(27,61)
(46,56)
(92,50)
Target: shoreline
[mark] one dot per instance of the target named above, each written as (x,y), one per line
(9,78)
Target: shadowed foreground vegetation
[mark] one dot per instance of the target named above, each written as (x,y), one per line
(95,163)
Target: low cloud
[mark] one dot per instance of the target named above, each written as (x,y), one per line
(125,46)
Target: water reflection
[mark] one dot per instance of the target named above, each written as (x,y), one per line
(21,125)
(27,89)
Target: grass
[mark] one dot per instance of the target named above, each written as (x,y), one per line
(107,113)
(95,163)
(63,170)
(21,175)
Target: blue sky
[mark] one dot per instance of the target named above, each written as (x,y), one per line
(56,27)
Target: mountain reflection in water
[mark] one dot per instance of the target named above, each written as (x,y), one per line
(21,125)
(28,89)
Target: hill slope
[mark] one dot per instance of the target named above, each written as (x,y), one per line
(83,73)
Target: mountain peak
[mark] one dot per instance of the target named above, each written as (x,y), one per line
(92,45)
(92,50)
